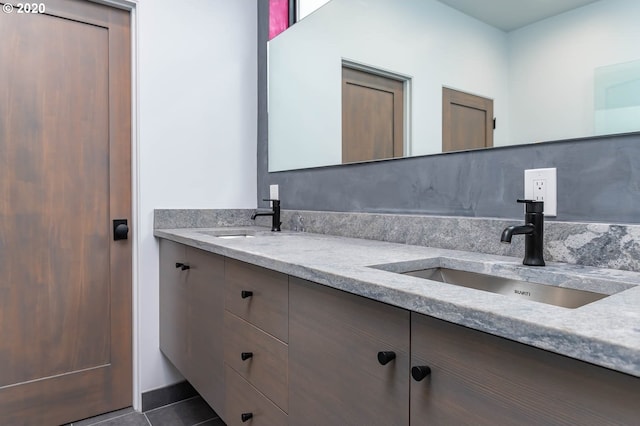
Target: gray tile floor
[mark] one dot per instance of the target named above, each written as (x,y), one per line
(189,412)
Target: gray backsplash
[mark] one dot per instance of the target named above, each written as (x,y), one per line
(204,218)
(589,244)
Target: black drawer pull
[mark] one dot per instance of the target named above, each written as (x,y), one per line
(385,357)
(246,417)
(420,372)
(244,294)
(246,355)
(182,266)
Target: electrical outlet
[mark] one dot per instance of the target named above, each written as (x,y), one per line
(539,189)
(541,185)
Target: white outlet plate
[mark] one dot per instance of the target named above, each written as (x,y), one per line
(541,185)
(274,192)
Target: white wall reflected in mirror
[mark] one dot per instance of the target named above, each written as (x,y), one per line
(617,98)
(307,7)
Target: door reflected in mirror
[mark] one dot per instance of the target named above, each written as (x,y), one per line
(373,116)
(574,74)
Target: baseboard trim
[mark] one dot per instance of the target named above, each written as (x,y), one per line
(167,395)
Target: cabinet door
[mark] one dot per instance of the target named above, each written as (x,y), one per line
(334,374)
(205,335)
(480,379)
(173,303)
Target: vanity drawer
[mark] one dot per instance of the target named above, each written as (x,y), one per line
(259,296)
(266,363)
(242,398)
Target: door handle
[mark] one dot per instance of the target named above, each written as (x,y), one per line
(120,229)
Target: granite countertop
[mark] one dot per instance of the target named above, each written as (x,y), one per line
(605,332)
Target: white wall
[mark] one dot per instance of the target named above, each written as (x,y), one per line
(553,63)
(438,46)
(198,130)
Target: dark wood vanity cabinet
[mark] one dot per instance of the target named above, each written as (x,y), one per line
(191,317)
(321,356)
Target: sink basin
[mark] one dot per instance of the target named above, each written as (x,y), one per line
(552,295)
(230,233)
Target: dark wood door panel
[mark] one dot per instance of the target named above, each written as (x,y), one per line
(367,124)
(467,121)
(65,290)
(372,116)
(51,283)
(468,118)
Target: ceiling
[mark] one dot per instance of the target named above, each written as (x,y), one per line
(509,15)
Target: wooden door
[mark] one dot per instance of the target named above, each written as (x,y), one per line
(372,116)
(65,174)
(467,121)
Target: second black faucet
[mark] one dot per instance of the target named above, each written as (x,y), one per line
(274,213)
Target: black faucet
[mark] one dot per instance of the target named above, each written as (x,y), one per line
(275,215)
(533,231)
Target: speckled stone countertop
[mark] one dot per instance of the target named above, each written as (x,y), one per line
(605,332)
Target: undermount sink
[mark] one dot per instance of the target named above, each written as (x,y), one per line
(549,294)
(230,233)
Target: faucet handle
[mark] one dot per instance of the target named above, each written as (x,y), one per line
(533,206)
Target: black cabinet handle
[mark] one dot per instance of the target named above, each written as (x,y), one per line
(182,266)
(419,372)
(246,355)
(246,417)
(385,357)
(244,294)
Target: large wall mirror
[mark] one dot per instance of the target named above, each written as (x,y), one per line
(552,70)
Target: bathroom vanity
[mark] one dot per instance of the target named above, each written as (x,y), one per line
(301,329)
